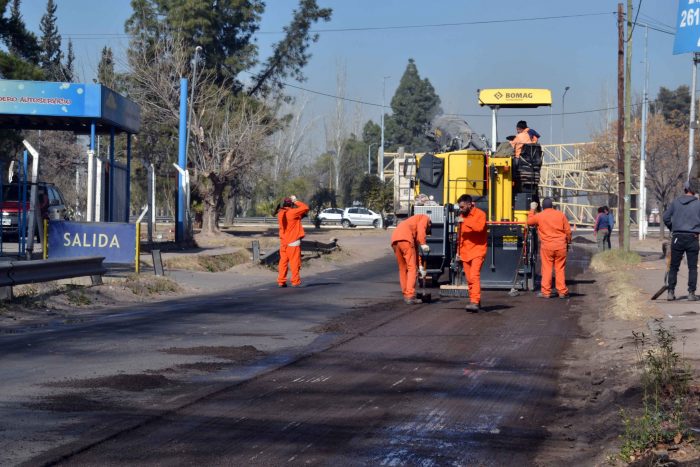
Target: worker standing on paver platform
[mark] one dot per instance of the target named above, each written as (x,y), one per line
(525,136)
(408,236)
(471,247)
(554,233)
(289,215)
(683,219)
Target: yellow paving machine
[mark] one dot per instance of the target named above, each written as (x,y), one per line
(500,184)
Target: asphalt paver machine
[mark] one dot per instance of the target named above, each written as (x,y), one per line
(500,184)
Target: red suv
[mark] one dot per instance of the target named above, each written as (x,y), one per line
(50,205)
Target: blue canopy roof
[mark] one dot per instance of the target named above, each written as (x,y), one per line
(45,105)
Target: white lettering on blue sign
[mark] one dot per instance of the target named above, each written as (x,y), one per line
(87,241)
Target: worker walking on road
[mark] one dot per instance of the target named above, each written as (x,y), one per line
(407,238)
(554,233)
(289,215)
(471,247)
(683,219)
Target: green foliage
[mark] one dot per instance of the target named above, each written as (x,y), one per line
(414,106)
(50,54)
(665,381)
(323,198)
(69,66)
(374,194)
(290,54)
(20,42)
(674,105)
(353,167)
(372,133)
(22,46)
(105,69)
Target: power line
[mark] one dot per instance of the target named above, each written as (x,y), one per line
(442,25)
(377,28)
(358,101)
(659,23)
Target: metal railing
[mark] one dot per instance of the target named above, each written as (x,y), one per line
(44,270)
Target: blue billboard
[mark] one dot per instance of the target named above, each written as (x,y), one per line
(115,241)
(687,27)
(72,100)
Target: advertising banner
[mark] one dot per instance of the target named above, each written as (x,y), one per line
(115,241)
(48,99)
(687,27)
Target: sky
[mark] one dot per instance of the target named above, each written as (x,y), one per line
(548,44)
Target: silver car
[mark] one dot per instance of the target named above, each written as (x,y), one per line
(353,217)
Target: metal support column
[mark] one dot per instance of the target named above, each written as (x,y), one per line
(182,162)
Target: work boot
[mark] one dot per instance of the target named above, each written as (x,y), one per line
(671,296)
(473,307)
(564,297)
(541,295)
(411,301)
(692,297)
(281,285)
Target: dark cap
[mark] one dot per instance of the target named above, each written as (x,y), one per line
(287,202)
(547,203)
(691,185)
(522,124)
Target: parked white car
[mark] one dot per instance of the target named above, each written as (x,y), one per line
(353,217)
(331,214)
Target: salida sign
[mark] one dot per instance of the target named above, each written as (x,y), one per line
(115,241)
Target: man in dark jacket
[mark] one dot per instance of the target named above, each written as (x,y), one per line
(683,219)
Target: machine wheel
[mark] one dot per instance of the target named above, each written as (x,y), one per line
(376,224)
(345,223)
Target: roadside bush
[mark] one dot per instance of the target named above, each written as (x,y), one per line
(665,379)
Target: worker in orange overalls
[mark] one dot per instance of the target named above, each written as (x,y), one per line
(471,247)
(525,136)
(407,238)
(289,215)
(554,232)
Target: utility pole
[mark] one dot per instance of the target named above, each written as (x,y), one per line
(642,217)
(693,123)
(380,162)
(620,125)
(628,129)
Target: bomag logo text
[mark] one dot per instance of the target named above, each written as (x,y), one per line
(518,95)
(90,241)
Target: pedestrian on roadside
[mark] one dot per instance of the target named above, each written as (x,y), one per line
(611,224)
(289,215)
(409,236)
(683,219)
(601,229)
(471,247)
(554,232)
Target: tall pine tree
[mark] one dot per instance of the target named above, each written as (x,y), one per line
(105,69)
(414,106)
(69,65)
(50,54)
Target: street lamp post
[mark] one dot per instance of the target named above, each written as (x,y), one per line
(563,112)
(369,157)
(380,164)
(194,82)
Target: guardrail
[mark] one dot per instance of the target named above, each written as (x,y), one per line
(44,270)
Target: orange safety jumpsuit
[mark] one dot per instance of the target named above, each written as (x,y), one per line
(471,247)
(407,237)
(555,235)
(291,233)
(521,138)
